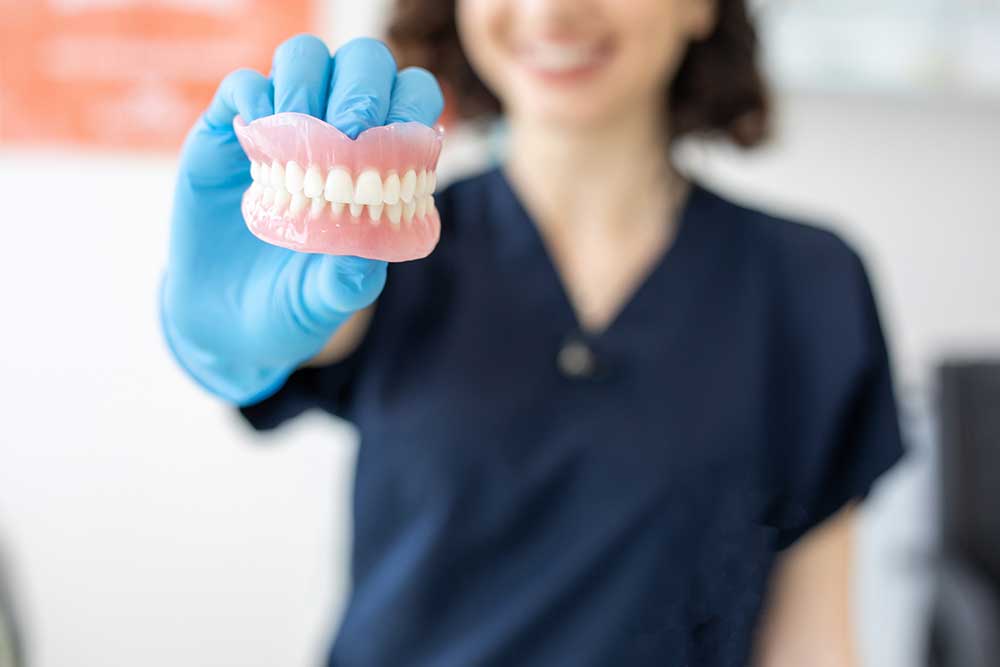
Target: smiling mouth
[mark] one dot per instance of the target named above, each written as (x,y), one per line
(553,60)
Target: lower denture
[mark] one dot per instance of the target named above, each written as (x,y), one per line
(316,190)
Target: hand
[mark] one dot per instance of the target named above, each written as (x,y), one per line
(239,314)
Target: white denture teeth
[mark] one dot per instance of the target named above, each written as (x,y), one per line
(390,189)
(280,187)
(421,189)
(339,187)
(298,203)
(281,199)
(277,175)
(369,188)
(317,206)
(294,177)
(312,182)
(407,185)
(394,212)
(409,208)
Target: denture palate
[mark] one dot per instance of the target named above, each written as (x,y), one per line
(368,194)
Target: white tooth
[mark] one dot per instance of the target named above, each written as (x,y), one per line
(268,197)
(409,208)
(281,198)
(254,170)
(312,183)
(431,206)
(317,206)
(408,185)
(298,203)
(432,182)
(339,187)
(356,210)
(294,177)
(390,189)
(375,212)
(369,188)
(421,190)
(277,175)
(421,206)
(264,171)
(336,208)
(395,212)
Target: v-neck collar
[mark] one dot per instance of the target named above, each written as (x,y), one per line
(518,238)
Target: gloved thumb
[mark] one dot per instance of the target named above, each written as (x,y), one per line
(341,285)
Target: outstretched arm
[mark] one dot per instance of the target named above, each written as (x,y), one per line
(808,618)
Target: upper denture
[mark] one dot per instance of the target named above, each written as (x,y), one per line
(307,141)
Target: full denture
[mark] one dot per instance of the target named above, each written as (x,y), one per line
(316,190)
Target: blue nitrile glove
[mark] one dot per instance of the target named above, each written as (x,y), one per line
(240,314)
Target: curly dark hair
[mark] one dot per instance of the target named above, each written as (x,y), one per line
(718,89)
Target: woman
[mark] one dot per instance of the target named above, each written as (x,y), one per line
(614,418)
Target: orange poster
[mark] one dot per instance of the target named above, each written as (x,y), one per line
(127,73)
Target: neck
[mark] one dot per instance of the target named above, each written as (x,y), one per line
(606,179)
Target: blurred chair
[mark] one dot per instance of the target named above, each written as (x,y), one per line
(965,623)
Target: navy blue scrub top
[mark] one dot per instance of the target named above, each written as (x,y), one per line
(530,495)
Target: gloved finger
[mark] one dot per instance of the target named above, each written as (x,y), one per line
(416,96)
(244,92)
(301,74)
(343,284)
(363,74)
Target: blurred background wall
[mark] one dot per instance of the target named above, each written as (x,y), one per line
(147,526)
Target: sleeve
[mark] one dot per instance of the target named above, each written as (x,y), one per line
(327,387)
(853,434)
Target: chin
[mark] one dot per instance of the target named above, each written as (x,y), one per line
(578,110)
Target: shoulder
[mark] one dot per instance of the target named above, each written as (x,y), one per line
(800,248)
(464,201)
(816,280)
(801,258)
(470,188)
